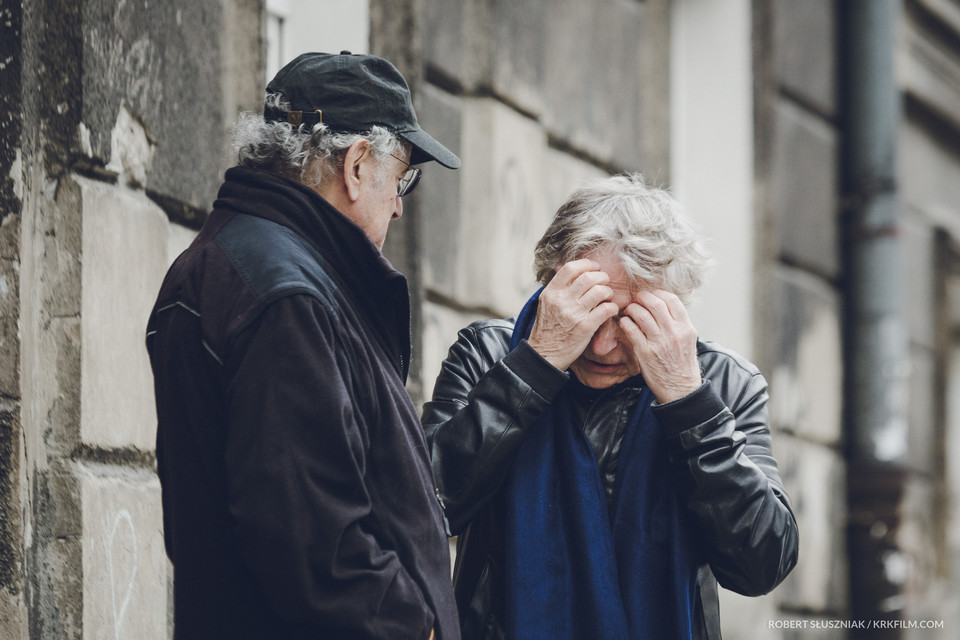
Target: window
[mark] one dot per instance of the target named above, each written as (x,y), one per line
(277,12)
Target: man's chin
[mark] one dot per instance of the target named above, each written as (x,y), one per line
(597,377)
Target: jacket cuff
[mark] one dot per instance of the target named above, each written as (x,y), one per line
(544,378)
(689,411)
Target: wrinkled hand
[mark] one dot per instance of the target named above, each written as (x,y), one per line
(572,307)
(664,342)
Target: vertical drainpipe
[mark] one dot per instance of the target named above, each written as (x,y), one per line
(876,346)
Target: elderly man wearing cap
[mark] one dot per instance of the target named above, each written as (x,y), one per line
(298,499)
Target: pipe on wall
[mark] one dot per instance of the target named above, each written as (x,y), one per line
(876,342)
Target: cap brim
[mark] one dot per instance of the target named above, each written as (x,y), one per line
(425,149)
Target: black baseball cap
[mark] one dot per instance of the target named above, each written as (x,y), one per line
(352,93)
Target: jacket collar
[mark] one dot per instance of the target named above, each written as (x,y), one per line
(359,265)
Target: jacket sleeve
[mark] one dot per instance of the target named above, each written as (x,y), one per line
(483,402)
(296,460)
(730,478)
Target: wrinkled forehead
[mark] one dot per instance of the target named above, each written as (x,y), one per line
(612,263)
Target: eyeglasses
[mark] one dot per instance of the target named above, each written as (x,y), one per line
(409,180)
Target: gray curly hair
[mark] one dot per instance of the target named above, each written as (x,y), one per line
(308,156)
(644,226)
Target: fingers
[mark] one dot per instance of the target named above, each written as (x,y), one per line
(570,271)
(643,319)
(630,328)
(663,305)
(601,313)
(677,309)
(579,284)
(594,295)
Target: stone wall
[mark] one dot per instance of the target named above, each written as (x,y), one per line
(112,142)
(531,116)
(115,116)
(798,305)
(928,72)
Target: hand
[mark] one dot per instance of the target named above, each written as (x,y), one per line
(664,342)
(572,307)
(431,635)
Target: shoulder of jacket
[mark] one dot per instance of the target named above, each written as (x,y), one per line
(713,356)
(274,261)
(490,326)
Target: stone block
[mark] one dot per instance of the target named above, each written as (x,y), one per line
(440,113)
(51,381)
(918,566)
(592,94)
(10,236)
(806,376)
(815,480)
(436,203)
(178,240)
(928,71)
(479,226)
(501,217)
(804,196)
(521,35)
(461,41)
(562,175)
(440,327)
(131,150)
(57,491)
(57,607)
(125,239)
(923,438)
(13,615)
(744,618)
(9,288)
(928,175)
(805,50)
(9,357)
(124,562)
(918,264)
(57,238)
(161,62)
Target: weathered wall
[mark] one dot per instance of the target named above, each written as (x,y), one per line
(798,307)
(112,140)
(115,114)
(531,117)
(928,72)
(12,481)
(801,316)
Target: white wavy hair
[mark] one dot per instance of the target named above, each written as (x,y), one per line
(645,227)
(309,157)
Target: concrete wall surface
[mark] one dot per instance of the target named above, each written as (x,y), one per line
(114,126)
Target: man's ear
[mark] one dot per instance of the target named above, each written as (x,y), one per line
(356,154)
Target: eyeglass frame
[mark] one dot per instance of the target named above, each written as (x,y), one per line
(405,185)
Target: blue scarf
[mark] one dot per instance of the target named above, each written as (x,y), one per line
(576,569)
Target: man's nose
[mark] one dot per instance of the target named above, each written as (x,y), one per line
(398,211)
(605,339)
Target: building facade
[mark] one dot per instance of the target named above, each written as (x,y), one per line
(114,119)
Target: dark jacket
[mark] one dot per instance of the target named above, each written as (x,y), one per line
(485,400)
(298,500)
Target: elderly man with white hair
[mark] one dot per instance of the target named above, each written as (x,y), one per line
(603,467)
(298,497)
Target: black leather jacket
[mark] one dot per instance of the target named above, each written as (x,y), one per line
(486,398)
